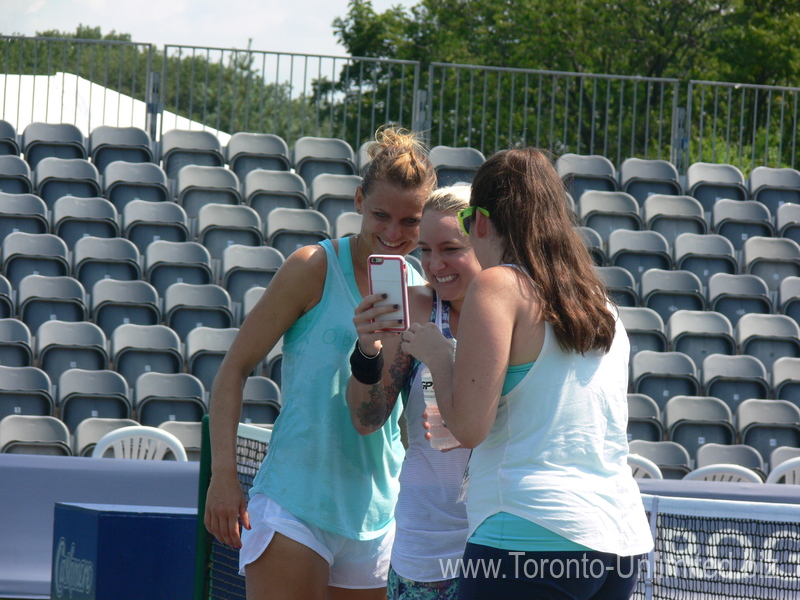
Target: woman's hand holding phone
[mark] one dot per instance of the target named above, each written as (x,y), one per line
(371,324)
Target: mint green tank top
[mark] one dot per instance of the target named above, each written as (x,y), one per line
(318,467)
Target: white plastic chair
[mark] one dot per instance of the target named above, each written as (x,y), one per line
(789,469)
(140,442)
(644,468)
(728,473)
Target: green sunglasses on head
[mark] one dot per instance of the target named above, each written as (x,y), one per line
(465,217)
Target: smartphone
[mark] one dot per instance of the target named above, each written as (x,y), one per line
(387,275)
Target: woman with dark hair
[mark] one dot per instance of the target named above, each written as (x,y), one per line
(539,389)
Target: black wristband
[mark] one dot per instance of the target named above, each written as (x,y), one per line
(366,369)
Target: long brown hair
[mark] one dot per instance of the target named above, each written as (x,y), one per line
(399,157)
(526,202)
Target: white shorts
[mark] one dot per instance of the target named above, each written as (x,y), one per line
(354,564)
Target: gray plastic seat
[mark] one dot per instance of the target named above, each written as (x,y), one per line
(248,151)
(25,391)
(724,473)
(177,262)
(179,148)
(137,349)
(261,400)
(333,195)
(92,393)
(594,244)
(787,222)
(739,220)
(638,251)
(61,140)
(666,291)
(590,172)
(205,349)
(734,379)
(76,218)
(288,229)
(786,379)
(709,182)
(347,223)
(788,472)
(608,211)
(620,285)
(188,305)
(220,226)
(704,255)
(454,165)
(9,142)
(16,348)
(645,329)
(6,303)
(662,375)
(643,468)
(265,190)
(100,258)
(140,442)
(312,156)
(772,259)
(789,297)
(34,434)
(90,430)
(169,397)
(693,421)
(273,363)
(42,298)
(189,433)
(737,295)
(731,454)
(145,222)
(644,419)
(782,454)
(700,333)
(244,267)
(15,176)
(108,144)
(115,302)
(774,187)
(34,253)
(62,345)
(671,458)
(22,212)
(363,158)
(58,177)
(196,186)
(644,178)
(673,215)
(768,424)
(125,181)
(249,300)
(768,337)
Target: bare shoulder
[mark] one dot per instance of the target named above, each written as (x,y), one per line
(420,300)
(308,261)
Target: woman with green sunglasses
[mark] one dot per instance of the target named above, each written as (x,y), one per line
(539,389)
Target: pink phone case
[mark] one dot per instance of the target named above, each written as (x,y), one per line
(387,275)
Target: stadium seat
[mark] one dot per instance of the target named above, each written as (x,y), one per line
(288,229)
(76,218)
(772,259)
(590,172)
(273,363)
(608,211)
(739,220)
(693,421)
(34,253)
(249,300)
(734,379)
(205,349)
(455,165)
(700,333)
(220,226)
(347,223)
(90,430)
(786,380)
(666,291)
(768,424)
(244,267)
(22,212)
(644,419)
(16,346)
(645,329)
(594,244)
(137,349)
(97,258)
(177,262)
(774,187)
(662,375)
(787,222)
(709,182)
(248,151)
(768,337)
(726,473)
(671,458)
(92,393)
(190,435)
(62,345)
(789,298)
(643,468)
(34,434)
(60,140)
(620,285)
(42,298)
(58,177)
(645,178)
(704,255)
(261,400)
(673,215)
(25,391)
(638,251)
(140,442)
(9,142)
(312,156)
(362,156)
(116,302)
(787,472)
(180,148)
(731,454)
(144,222)
(6,303)
(15,176)
(169,397)
(196,186)
(124,182)
(109,144)
(265,190)
(737,295)
(188,305)
(333,195)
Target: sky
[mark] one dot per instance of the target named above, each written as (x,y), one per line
(292,26)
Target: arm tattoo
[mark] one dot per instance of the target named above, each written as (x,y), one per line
(382,400)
